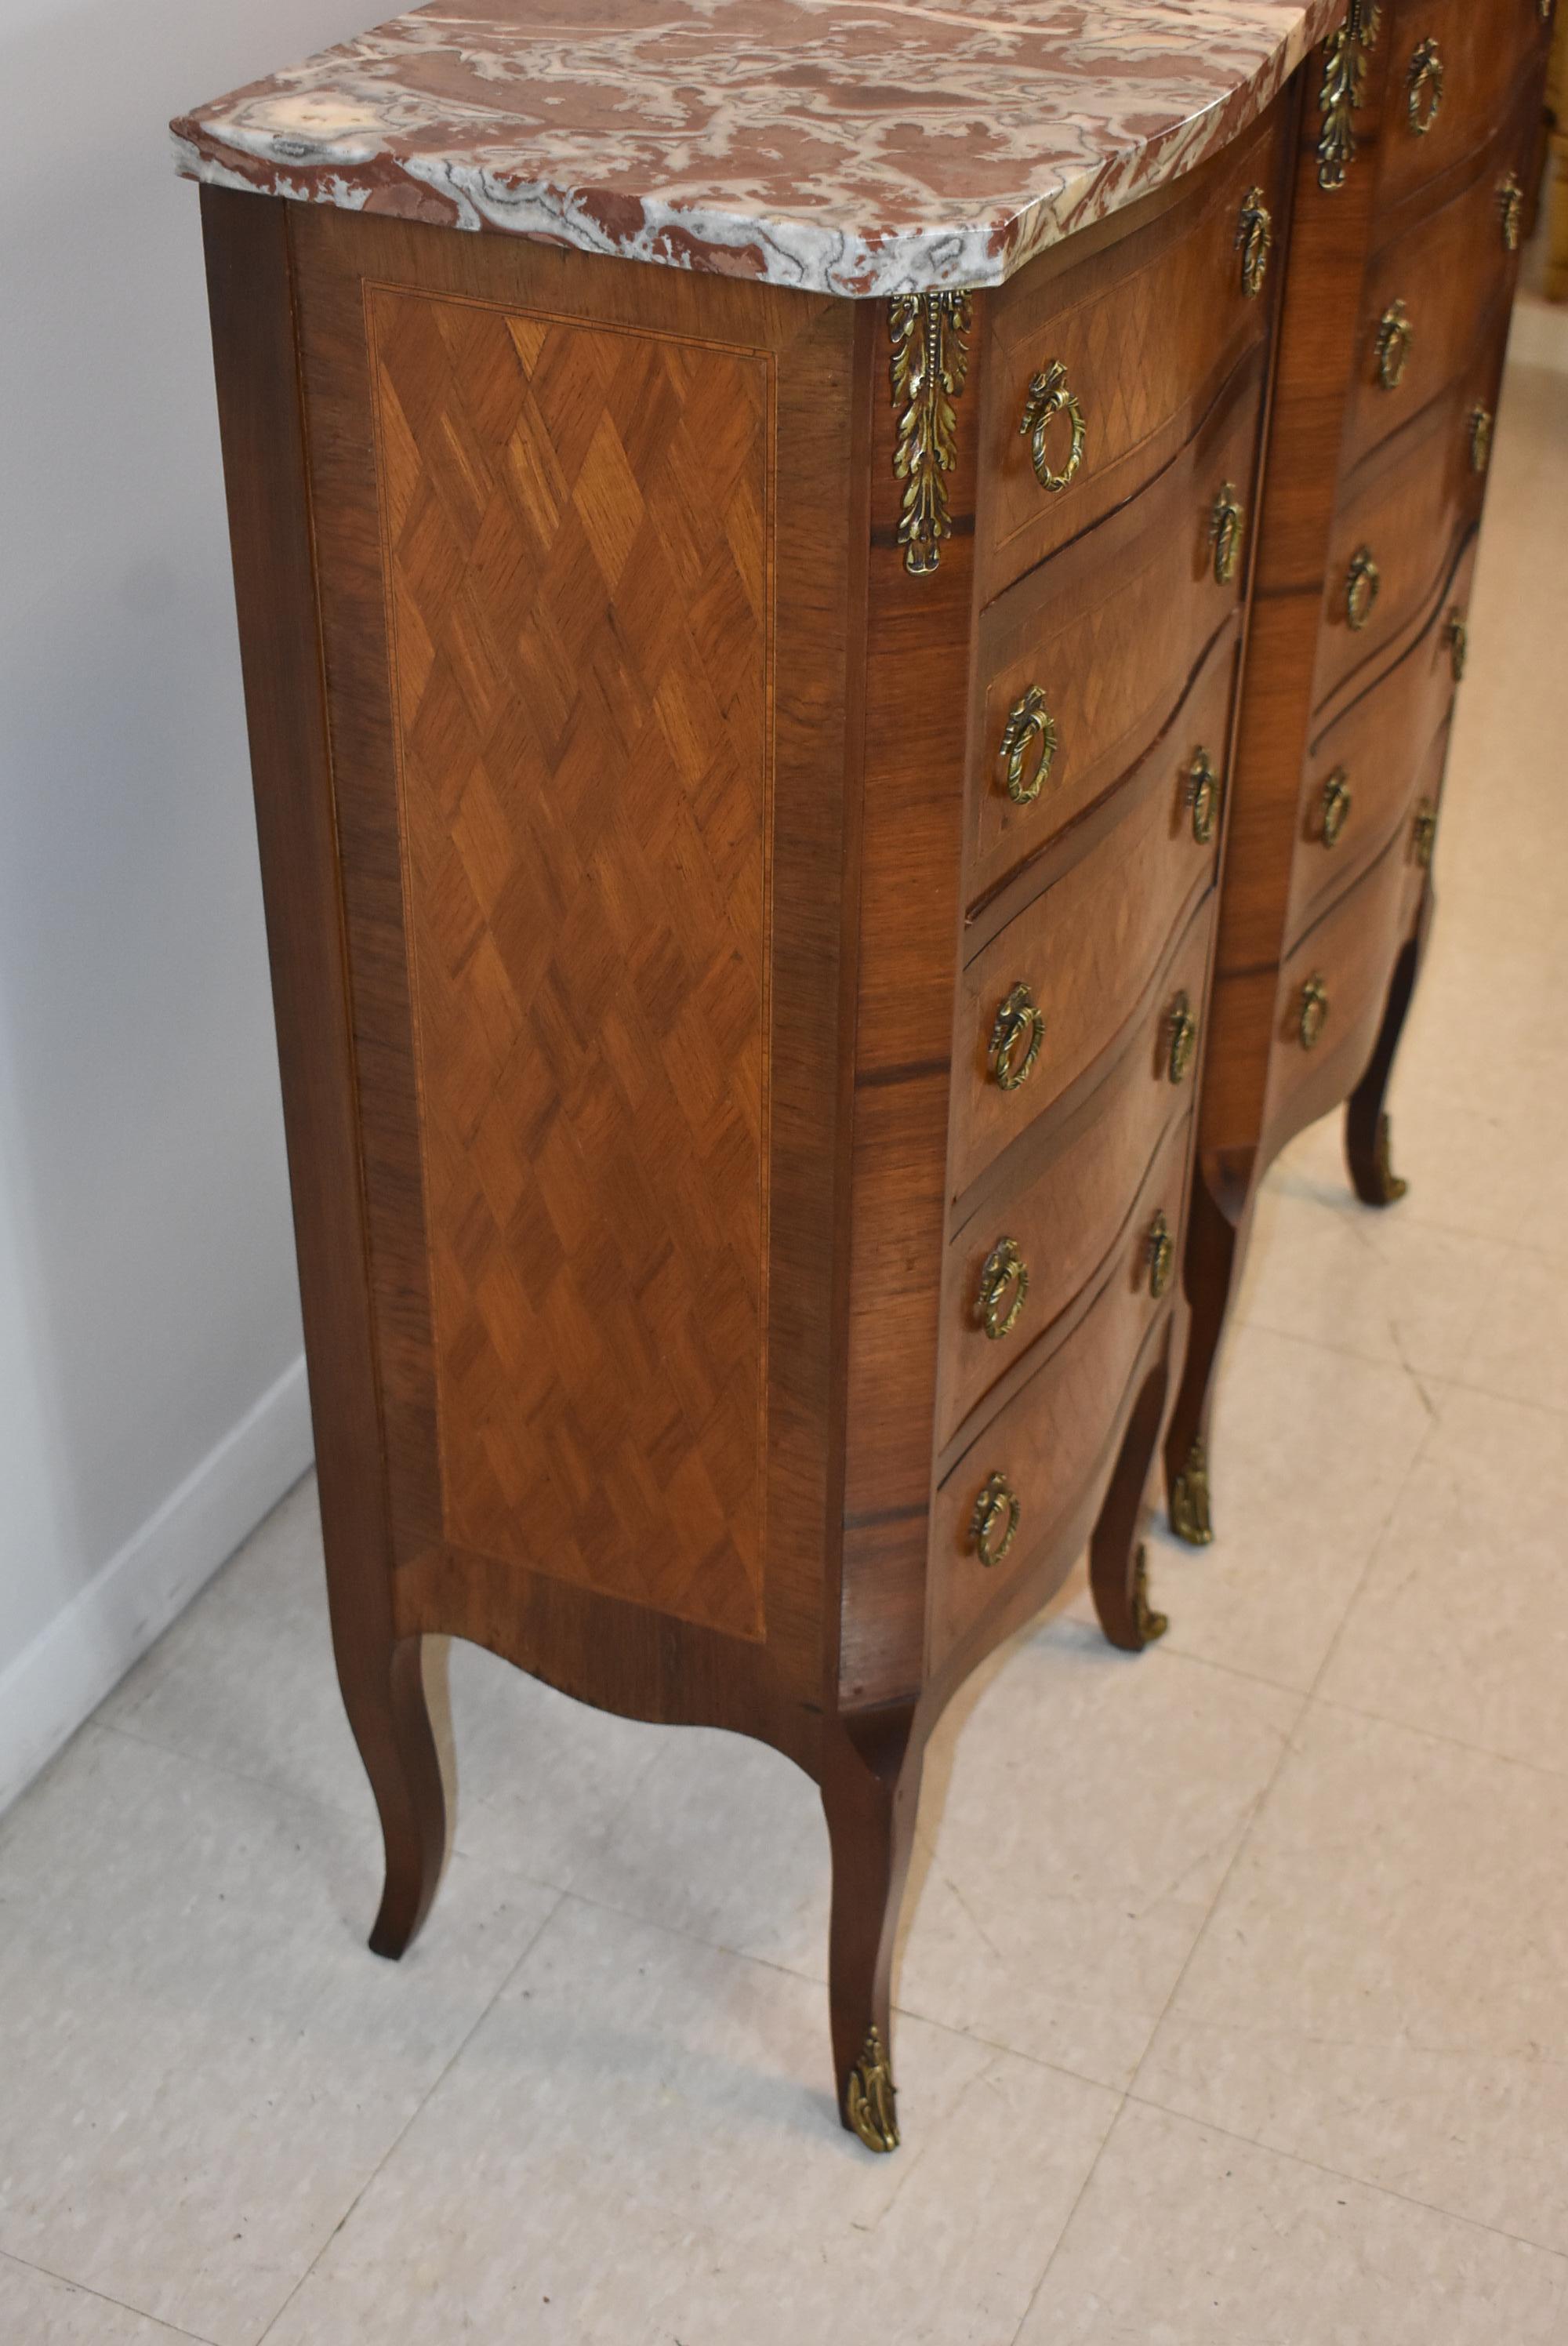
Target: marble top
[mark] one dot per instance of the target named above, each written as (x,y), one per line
(853,146)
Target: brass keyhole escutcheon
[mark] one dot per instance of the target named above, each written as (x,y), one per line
(1046,398)
(1312,1013)
(1335,806)
(1458,639)
(1478,431)
(1395,336)
(1016,1035)
(1004,1289)
(1181,1039)
(1511,209)
(1200,796)
(993,1525)
(1362,580)
(1254,240)
(1159,1254)
(1424,87)
(1225,523)
(1027,746)
(1423,833)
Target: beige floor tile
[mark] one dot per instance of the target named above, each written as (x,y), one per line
(1519,1350)
(1186,2237)
(637,2147)
(1310,1451)
(1380,1987)
(246,1678)
(202,2063)
(37,2310)
(1460,1629)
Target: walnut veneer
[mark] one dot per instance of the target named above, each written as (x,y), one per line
(743,778)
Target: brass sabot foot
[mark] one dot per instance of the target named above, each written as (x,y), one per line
(1149,1623)
(1189,1500)
(1385,1180)
(869,2099)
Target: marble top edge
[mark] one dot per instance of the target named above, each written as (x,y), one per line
(860,148)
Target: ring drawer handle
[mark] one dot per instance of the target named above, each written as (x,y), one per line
(1337,804)
(1254,240)
(1424,87)
(1200,795)
(1478,431)
(1395,336)
(1181,1039)
(1016,1035)
(1457,637)
(1362,580)
(1030,727)
(1226,523)
(1159,1254)
(1046,398)
(993,1525)
(1003,1289)
(1423,833)
(1312,1013)
(1510,209)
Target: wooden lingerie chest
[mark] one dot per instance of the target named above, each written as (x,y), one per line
(743,771)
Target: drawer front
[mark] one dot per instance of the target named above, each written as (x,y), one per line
(1088,660)
(1039,1003)
(1432,295)
(1362,773)
(1045,1445)
(1394,540)
(1455,66)
(1024,1256)
(1129,349)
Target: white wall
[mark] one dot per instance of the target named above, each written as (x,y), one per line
(151,1395)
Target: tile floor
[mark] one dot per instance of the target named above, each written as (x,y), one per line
(1232,1994)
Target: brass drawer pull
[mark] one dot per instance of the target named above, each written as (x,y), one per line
(1016,1035)
(1046,398)
(1030,727)
(1003,1289)
(1200,795)
(1511,209)
(1225,523)
(1424,88)
(1478,431)
(1335,806)
(1423,833)
(1159,1252)
(1181,1039)
(1254,239)
(993,1525)
(1457,637)
(1395,336)
(1312,1013)
(1362,580)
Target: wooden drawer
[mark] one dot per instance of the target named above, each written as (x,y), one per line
(1432,294)
(1074,964)
(1048,1441)
(1361,774)
(1404,519)
(1102,649)
(1065,1217)
(1146,331)
(1482,53)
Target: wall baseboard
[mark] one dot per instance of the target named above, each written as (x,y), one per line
(54,1683)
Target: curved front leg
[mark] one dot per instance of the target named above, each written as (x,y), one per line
(1367,1150)
(383,1693)
(1214,1247)
(1118,1578)
(870,1790)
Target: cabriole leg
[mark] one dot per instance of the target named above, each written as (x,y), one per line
(1366,1119)
(1214,1254)
(871,1789)
(1117,1568)
(385,1698)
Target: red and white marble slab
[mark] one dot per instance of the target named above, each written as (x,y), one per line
(853,146)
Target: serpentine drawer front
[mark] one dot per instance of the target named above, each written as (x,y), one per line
(751,676)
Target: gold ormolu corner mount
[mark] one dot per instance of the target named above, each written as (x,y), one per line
(1189,1499)
(929,361)
(869,2099)
(1149,1623)
(1344,88)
